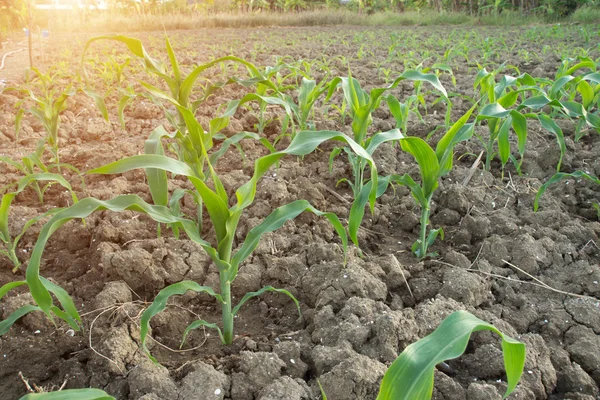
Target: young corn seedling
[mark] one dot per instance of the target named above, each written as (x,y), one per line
(30,165)
(48,109)
(433,164)
(269,94)
(410,376)
(180,86)
(360,106)
(501,111)
(10,243)
(308,93)
(568,87)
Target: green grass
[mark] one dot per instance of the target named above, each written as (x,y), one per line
(586,14)
(179,21)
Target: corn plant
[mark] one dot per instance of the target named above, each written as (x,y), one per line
(502,112)
(225,220)
(47,111)
(29,165)
(180,86)
(308,93)
(10,243)
(360,106)
(410,376)
(267,93)
(568,88)
(433,164)
(48,108)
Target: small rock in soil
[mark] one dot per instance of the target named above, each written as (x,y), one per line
(457,259)
(148,378)
(257,370)
(290,353)
(585,311)
(286,388)
(584,346)
(574,379)
(116,344)
(466,287)
(446,388)
(203,382)
(355,378)
(482,391)
(113,293)
(332,284)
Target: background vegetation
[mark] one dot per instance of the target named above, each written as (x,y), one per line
(189,14)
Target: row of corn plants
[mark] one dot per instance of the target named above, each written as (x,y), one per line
(187,148)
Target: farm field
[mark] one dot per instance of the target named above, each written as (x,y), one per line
(534,275)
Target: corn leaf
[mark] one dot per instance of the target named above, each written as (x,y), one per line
(410,377)
(275,220)
(198,324)
(160,303)
(157,178)
(427,160)
(559,177)
(259,292)
(357,210)
(503,143)
(70,394)
(5,324)
(551,126)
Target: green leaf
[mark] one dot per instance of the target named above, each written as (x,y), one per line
(558,85)
(157,178)
(7,200)
(160,303)
(135,46)
(251,295)
(189,82)
(173,60)
(6,324)
(559,177)
(433,234)
(274,221)
(65,300)
(357,210)
(10,286)
(410,377)
(198,324)
(587,93)
(415,189)
(121,108)
(382,137)
(494,110)
(427,160)
(70,394)
(458,132)
(18,119)
(520,127)
(503,143)
(551,126)
(99,101)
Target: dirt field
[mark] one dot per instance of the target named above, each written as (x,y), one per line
(357,318)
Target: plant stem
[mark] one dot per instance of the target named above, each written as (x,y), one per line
(424,223)
(226,309)
(488,155)
(12,255)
